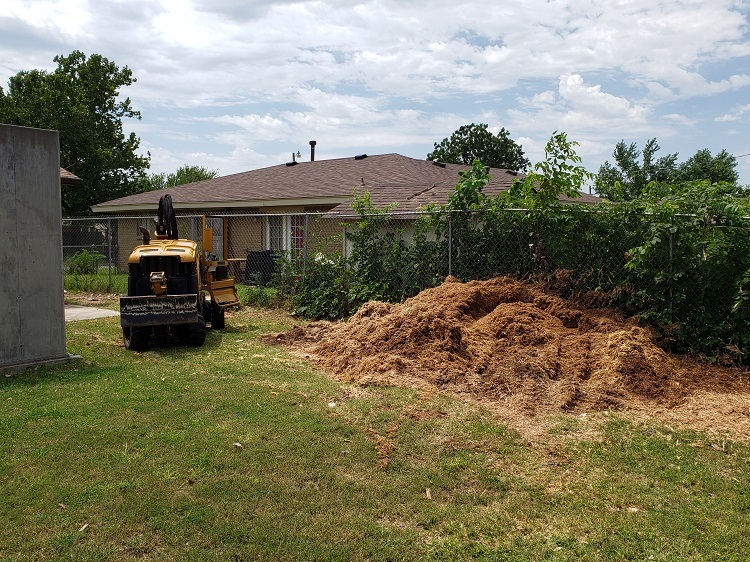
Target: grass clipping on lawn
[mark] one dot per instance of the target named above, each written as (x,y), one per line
(525,352)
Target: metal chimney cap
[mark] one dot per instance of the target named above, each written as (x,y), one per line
(313,143)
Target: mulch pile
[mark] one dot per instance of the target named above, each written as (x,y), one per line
(511,343)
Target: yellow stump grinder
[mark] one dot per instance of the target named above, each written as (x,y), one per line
(174,288)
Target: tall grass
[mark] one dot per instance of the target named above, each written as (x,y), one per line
(99,282)
(263,297)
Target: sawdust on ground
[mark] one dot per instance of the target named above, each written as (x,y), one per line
(526,353)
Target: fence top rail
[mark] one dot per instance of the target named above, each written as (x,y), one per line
(100,219)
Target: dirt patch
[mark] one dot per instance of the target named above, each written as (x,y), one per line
(528,352)
(104,300)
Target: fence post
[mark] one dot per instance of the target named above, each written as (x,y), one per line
(343,239)
(671,273)
(304,244)
(109,251)
(450,245)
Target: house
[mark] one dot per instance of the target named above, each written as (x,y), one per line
(278,197)
(69,178)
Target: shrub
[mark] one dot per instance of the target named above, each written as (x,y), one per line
(323,290)
(83,262)
(261,297)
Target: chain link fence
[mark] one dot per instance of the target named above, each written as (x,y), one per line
(425,247)
(688,275)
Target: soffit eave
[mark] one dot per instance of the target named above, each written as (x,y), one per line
(200,205)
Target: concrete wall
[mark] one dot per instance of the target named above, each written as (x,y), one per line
(32,330)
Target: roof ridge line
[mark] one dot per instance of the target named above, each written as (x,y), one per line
(413,195)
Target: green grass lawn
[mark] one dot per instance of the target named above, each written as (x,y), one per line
(241,451)
(114,283)
(103,281)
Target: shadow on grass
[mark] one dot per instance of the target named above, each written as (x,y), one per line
(164,347)
(68,373)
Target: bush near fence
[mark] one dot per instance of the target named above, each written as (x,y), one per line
(685,274)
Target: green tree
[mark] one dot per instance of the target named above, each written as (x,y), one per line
(627,178)
(714,169)
(184,174)
(561,173)
(81,99)
(476,142)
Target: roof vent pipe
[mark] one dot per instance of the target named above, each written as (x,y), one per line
(312,151)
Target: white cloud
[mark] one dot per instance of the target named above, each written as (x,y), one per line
(262,127)
(735,115)
(397,74)
(580,109)
(70,17)
(591,98)
(678,119)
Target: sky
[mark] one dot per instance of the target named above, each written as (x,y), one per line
(240,85)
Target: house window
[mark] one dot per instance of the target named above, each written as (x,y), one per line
(298,233)
(275,228)
(216,224)
(285,233)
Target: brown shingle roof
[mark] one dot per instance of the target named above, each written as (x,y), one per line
(68,178)
(389,178)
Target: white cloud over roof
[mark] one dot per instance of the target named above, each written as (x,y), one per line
(237,85)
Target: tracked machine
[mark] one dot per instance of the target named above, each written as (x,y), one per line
(174,287)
